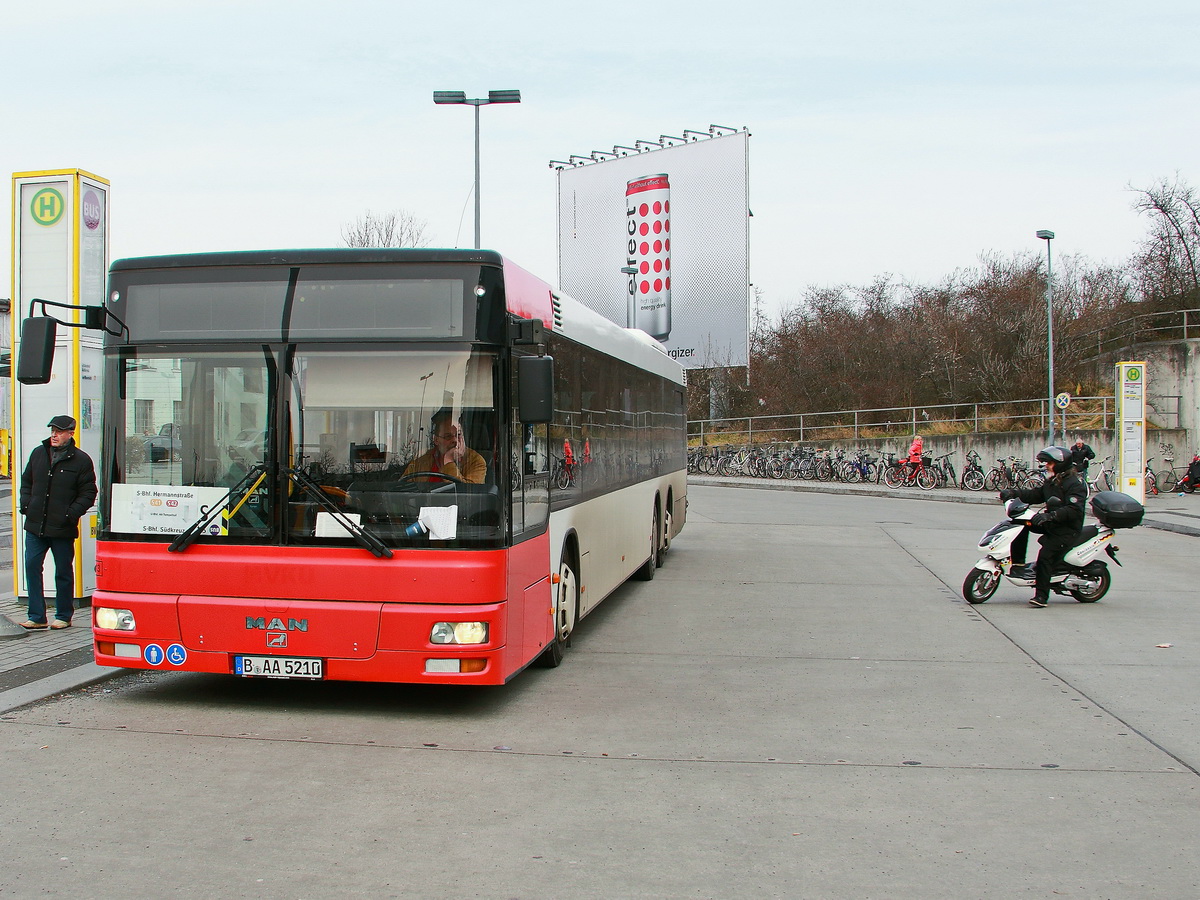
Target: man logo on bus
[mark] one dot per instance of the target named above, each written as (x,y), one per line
(260,623)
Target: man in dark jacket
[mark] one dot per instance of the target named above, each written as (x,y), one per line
(57,487)
(1081,455)
(1065,495)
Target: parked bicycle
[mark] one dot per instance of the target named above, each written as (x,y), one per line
(943,470)
(1010,472)
(908,473)
(1149,479)
(1174,477)
(1102,480)
(973,476)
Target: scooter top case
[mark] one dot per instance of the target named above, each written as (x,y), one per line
(1117,510)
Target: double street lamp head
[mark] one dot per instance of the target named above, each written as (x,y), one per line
(460,97)
(1045,235)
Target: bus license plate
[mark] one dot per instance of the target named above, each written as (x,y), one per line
(278,667)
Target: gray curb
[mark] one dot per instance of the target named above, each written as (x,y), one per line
(70,680)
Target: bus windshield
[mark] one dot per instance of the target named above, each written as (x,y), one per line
(291,441)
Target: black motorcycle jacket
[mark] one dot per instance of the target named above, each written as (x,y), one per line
(1063,518)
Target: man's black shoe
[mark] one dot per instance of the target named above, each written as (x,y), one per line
(1038,602)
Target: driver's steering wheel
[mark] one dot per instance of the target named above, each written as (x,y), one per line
(409,477)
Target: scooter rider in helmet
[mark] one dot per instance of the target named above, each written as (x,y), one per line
(1059,524)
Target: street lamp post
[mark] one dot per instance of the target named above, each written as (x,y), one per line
(1048,236)
(460,98)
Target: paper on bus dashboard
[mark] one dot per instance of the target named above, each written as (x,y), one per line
(442,521)
(329,525)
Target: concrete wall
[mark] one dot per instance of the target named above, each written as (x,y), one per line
(1173,381)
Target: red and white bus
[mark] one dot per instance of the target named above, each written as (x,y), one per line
(281,531)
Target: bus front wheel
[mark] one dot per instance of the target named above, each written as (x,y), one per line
(566,613)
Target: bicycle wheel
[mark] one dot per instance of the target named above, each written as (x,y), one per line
(892,476)
(926,480)
(989,480)
(1166,480)
(972,480)
(1151,483)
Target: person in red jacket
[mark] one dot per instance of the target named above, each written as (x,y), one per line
(914,450)
(57,487)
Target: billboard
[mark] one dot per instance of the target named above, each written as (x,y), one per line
(660,240)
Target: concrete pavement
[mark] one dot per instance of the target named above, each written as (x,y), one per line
(36,665)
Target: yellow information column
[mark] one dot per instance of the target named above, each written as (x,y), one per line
(59,254)
(1131,429)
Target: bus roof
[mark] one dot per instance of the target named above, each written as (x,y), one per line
(526,295)
(314,256)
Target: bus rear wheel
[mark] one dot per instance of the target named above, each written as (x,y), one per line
(566,613)
(664,539)
(649,567)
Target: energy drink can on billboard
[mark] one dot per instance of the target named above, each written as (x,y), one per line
(648,253)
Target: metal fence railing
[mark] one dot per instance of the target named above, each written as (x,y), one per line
(1171,325)
(1084,413)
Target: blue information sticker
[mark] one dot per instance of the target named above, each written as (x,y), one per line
(153,654)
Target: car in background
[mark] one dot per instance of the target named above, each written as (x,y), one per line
(164,446)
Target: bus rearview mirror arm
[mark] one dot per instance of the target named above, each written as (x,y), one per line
(36,360)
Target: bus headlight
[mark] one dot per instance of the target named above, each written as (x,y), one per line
(113,619)
(459,633)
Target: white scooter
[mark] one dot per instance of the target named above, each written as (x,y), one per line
(1080,574)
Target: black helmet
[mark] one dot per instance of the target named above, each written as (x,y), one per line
(1060,456)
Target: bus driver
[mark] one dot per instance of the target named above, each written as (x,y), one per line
(449,453)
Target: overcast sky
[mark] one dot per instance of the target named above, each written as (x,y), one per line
(904,138)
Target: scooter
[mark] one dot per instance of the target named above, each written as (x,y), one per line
(1080,574)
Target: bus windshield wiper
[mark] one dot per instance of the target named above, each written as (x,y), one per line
(355,530)
(208,514)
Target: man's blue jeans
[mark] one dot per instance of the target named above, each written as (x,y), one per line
(63,551)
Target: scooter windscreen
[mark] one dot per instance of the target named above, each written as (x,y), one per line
(1015,507)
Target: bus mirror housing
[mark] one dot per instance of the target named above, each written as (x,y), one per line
(535,389)
(36,359)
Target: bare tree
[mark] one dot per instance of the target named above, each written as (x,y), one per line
(393,229)
(1169,259)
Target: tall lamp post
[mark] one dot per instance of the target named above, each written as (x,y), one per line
(460,98)
(1048,236)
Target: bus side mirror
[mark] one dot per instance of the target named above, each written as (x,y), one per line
(36,359)
(535,388)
